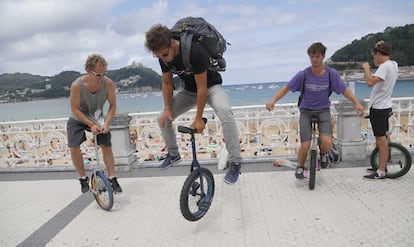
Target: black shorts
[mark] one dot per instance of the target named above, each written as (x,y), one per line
(76,134)
(379,120)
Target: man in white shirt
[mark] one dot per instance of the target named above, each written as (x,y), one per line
(380,105)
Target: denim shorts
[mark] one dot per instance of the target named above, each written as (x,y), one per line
(305,124)
(76,134)
(379,120)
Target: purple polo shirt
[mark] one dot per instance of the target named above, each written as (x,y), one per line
(317,92)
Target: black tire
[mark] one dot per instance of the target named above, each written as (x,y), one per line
(399,160)
(102,190)
(193,203)
(312,169)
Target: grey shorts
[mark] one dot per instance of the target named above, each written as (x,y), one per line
(76,134)
(324,123)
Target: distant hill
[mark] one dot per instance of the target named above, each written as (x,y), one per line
(19,80)
(24,86)
(402,43)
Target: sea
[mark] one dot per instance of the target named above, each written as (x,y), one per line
(240,95)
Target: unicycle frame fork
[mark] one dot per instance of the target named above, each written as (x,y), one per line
(314,143)
(98,163)
(195,164)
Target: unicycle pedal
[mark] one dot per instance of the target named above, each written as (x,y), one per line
(194,187)
(203,204)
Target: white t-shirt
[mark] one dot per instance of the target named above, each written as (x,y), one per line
(382,91)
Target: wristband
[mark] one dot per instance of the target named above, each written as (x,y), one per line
(167,108)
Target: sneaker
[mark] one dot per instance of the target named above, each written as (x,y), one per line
(84,184)
(233,173)
(324,160)
(374,175)
(373,170)
(299,173)
(169,161)
(115,185)
(331,159)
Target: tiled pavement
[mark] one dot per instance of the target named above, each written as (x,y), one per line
(267,207)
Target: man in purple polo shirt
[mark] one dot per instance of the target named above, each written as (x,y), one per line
(316,83)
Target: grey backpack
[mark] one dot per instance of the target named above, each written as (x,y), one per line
(196,29)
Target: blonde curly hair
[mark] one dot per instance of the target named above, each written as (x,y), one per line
(93,60)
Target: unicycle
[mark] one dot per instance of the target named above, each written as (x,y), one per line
(399,158)
(101,187)
(198,189)
(313,155)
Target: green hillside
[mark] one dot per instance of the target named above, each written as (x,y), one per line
(401,39)
(23,86)
(19,81)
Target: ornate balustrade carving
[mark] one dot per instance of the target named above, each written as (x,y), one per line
(43,143)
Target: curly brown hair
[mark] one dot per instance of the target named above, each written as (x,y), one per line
(93,60)
(157,38)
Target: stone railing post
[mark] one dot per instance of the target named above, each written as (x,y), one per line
(121,146)
(350,145)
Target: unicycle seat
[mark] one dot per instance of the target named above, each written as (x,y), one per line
(189,130)
(314,119)
(186,130)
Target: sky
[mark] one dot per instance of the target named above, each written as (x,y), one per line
(268,39)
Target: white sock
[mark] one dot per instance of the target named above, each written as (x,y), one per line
(381,173)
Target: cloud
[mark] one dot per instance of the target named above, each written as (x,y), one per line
(139,20)
(29,17)
(268,39)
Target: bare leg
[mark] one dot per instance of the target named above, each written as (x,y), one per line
(382,144)
(326,144)
(77,160)
(303,153)
(109,159)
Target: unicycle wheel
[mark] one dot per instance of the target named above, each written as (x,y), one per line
(102,190)
(399,160)
(197,194)
(312,170)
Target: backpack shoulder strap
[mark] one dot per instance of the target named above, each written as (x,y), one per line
(302,90)
(330,80)
(185,40)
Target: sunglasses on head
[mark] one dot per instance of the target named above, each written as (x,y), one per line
(379,44)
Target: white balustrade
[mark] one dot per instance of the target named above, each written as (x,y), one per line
(263,135)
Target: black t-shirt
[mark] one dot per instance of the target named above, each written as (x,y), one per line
(199,60)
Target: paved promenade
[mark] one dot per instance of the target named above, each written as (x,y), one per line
(267,207)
